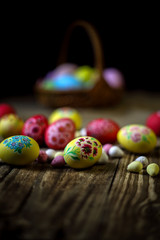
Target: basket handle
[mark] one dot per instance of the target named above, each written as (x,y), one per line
(94,38)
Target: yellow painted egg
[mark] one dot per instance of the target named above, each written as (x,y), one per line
(85,73)
(66,112)
(137,138)
(19,150)
(10,125)
(82,152)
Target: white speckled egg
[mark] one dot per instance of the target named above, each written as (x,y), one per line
(82,152)
(19,150)
(137,138)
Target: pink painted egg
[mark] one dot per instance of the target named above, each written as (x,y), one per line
(153,122)
(35,127)
(103,129)
(60,133)
(6,108)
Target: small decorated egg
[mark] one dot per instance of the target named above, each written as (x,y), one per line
(137,138)
(62,69)
(60,133)
(114,77)
(35,127)
(66,82)
(105,130)
(19,150)
(82,152)
(6,108)
(153,122)
(85,73)
(10,125)
(66,112)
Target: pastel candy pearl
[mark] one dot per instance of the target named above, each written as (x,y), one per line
(19,150)
(103,158)
(115,151)
(106,147)
(137,138)
(143,160)
(50,153)
(59,153)
(82,152)
(135,166)
(58,161)
(153,169)
(42,157)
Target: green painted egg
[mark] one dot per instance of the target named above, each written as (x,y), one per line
(82,152)
(19,150)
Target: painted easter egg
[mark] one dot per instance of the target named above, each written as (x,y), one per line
(10,125)
(66,112)
(153,122)
(6,108)
(35,127)
(105,130)
(114,77)
(137,138)
(85,73)
(82,152)
(19,150)
(66,82)
(62,69)
(60,133)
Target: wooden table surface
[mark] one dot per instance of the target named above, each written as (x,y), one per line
(101,202)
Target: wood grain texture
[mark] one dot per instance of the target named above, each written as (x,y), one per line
(102,202)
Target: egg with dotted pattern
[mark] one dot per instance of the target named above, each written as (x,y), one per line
(59,133)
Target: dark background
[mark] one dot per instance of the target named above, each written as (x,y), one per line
(31,38)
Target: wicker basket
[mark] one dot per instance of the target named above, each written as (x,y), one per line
(100,95)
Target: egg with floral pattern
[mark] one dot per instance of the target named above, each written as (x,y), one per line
(82,152)
(137,138)
(19,150)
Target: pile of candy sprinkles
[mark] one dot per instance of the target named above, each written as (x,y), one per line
(61,140)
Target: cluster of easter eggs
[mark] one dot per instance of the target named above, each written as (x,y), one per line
(69,76)
(22,139)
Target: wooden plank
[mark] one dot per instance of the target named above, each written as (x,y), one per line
(102,202)
(56,193)
(15,187)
